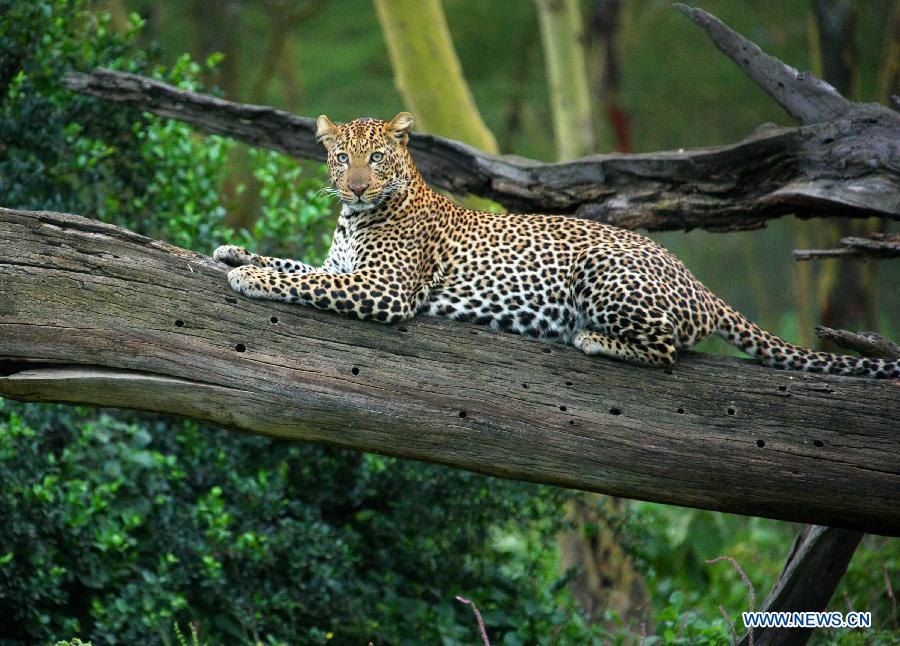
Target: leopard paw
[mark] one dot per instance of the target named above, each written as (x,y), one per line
(254,282)
(233,256)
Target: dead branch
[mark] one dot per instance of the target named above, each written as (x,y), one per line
(868,344)
(817,563)
(874,246)
(844,161)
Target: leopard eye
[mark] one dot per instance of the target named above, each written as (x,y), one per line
(343,157)
(376,157)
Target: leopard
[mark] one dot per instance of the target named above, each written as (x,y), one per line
(402,249)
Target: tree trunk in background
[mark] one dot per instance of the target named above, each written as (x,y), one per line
(562,34)
(889,74)
(219,25)
(846,286)
(117,13)
(606,578)
(612,121)
(283,17)
(513,122)
(428,74)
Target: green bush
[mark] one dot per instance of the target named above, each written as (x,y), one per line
(118,525)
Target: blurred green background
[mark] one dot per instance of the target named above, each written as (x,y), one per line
(120,526)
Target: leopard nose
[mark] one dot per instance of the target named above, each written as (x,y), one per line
(359,189)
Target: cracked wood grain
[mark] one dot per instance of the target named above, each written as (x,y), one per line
(94,314)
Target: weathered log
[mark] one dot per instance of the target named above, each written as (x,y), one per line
(845,160)
(94,314)
(875,245)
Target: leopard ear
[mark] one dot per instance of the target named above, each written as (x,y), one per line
(400,127)
(326,131)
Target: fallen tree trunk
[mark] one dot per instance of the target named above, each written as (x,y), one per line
(844,161)
(94,314)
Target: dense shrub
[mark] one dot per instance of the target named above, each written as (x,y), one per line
(118,525)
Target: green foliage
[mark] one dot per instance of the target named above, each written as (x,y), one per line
(182,640)
(52,155)
(116,526)
(295,217)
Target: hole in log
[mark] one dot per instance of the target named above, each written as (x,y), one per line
(615,411)
(731,411)
(760,443)
(828,140)
(818,443)
(572,422)
(230,299)
(524,385)
(782,388)
(179,323)
(354,370)
(240,347)
(462,413)
(274,319)
(400,328)
(680,411)
(562,408)
(473,331)
(546,350)
(569,383)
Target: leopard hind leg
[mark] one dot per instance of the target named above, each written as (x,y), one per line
(660,351)
(624,315)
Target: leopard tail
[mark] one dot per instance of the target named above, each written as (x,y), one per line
(740,332)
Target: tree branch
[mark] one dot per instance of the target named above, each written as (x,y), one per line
(845,162)
(819,558)
(805,97)
(868,344)
(94,314)
(875,245)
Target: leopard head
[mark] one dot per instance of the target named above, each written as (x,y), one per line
(367,158)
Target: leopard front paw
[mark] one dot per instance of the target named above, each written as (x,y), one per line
(233,256)
(253,282)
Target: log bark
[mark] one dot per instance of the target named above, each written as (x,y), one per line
(844,161)
(94,314)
